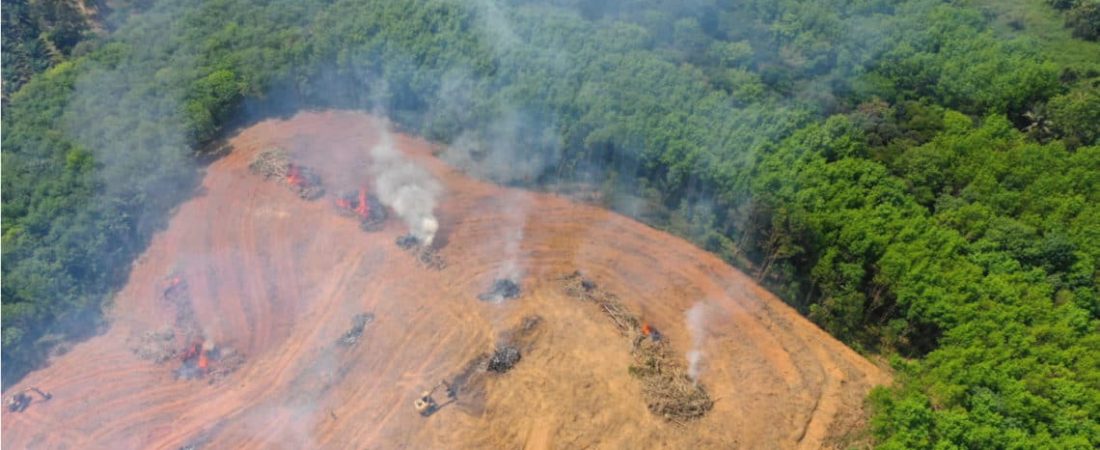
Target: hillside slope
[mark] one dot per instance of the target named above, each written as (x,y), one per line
(278,278)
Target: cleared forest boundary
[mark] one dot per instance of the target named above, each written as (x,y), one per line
(280,279)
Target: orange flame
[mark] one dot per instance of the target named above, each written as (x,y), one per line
(646,329)
(362,210)
(203,360)
(191,351)
(294,176)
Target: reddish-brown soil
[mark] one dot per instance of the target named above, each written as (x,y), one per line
(279,278)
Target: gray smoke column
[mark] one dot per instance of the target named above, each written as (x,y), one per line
(695,318)
(516,206)
(405,187)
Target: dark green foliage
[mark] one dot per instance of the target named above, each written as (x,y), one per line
(1082,17)
(23,53)
(980,254)
(1075,115)
(913,182)
(1084,20)
(61,23)
(1062,4)
(38,34)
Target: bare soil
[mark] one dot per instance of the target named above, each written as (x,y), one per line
(279,279)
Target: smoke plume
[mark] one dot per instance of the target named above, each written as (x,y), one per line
(406,188)
(695,318)
(516,207)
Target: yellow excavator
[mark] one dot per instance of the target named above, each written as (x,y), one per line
(21,400)
(426,404)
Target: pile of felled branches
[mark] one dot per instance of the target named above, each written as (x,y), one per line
(668,390)
(275,163)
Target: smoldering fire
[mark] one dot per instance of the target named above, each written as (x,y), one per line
(695,319)
(405,187)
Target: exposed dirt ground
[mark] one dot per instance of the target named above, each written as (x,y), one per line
(279,278)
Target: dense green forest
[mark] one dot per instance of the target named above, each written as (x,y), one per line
(1082,16)
(40,34)
(919,180)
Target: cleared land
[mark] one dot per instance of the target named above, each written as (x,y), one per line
(281,280)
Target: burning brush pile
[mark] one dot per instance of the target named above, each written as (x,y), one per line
(426,254)
(276,163)
(363,206)
(669,391)
(203,359)
(199,357)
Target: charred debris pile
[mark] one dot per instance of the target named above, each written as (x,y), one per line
(501,289)
(503,359)
(427,255)
(184,341)
(510,347)
(513,343)
(669,391)
(275,163)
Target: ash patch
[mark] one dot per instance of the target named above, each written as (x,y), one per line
(407,242)
(465,378)
(502,289)
(226,361)
(359,323)
(426,255)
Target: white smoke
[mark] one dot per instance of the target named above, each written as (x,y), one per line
(695,318)
(406,188)
(516,207)
(497,24)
